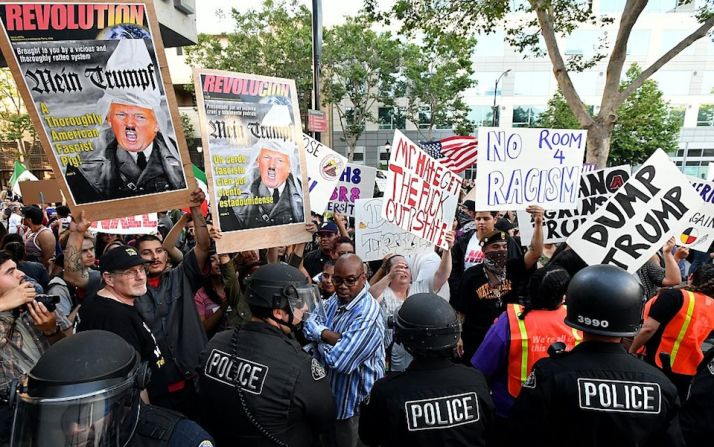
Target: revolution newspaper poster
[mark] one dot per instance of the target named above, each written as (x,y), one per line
(255,159)
(94,79)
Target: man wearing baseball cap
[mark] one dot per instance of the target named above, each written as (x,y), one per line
(112,309)
(315,260)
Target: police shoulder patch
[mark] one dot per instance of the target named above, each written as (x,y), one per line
(318,371)
(530,381)
(205,443)
(710,367)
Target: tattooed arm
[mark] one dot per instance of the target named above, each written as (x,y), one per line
(75,272)
(200,229)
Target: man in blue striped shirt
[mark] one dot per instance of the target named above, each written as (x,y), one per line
(350,344)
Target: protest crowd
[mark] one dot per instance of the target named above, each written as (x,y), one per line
(455,333)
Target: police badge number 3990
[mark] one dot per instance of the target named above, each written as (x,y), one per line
(228,369)
(442,412)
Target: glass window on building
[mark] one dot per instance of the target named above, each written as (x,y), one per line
(661,6)
(489,45)
(481,116)
(671,37)
(707,82)
(705,116)
(639,43)
(391,118)
(583,43)
(586,83)
(532,83)
(486,81)
(424,117)
(527,116)
(613,7)
(677,112)
(674,83)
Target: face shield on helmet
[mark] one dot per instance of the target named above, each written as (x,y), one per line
(304,301)
(104,418)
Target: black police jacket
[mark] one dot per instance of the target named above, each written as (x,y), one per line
(697,415)
(285,391)
(596,395)
(433,403)
(160,427)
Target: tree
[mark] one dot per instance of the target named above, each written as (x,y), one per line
(645,123)
(15,122)
(434,76)
(360,68)
(558,114)
(547,19)
(189,131)
(275,40)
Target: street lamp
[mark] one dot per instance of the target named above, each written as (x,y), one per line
(387,146)
(495,90)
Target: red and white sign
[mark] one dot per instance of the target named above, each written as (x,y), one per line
(316,121)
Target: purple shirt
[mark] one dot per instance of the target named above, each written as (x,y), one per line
(491,359)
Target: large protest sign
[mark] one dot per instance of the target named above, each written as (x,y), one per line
(596,187)
(375,238)
(637,220)
(324,169)
(142,224)
(356,182)
(698,234)
(520,167)
(422,194)
(254,158)
(94,78)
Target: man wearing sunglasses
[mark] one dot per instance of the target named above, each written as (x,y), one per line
(349,342)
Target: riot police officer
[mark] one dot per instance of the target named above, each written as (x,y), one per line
(697,416)
(256,386)
(85,391)
(597,394)
(435,401)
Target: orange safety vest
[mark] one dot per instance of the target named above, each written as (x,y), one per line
(683,336)
(531,338)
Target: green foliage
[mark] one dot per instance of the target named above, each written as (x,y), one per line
(272,40)
(15,122)
(558,114)
(435,75)
(645,123)
(359,70)
(189,130)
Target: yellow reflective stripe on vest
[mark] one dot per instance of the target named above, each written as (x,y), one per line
(524,344)
(577,336)
(683,330)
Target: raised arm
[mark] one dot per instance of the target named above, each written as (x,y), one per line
(169,242)
(444,270)
(75,273)
(535,250)
(203,240)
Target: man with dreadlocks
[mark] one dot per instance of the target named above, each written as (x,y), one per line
(487,287)
(522,335)
(677,322)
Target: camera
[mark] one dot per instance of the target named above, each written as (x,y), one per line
(50,302)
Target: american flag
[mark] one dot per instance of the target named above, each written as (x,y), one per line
(456,153)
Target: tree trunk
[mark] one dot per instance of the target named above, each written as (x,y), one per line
(598,146)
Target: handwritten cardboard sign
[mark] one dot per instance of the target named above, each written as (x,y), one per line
(655,204)
(422,194)
(324,169)
(255,159)
(356,182)
(375,238)
(94,78)
(142,224)
(596,187)
(698,234)
(520,167)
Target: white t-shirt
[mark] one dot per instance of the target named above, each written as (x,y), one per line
(14,221)
(474,255)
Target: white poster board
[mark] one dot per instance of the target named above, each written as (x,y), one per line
(520,167)
(141,224)
(356,182)
(375,238)
(596,187)
(422,194)
(698,234)
(655,204)
(324,168)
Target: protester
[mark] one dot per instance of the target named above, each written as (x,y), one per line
(677,323)
(327,287)
(402,409)
(653,276)
(39,240)
(570,398)
(282,397)
(315,260)
(34,270)
(349,343)
(697,415)
(212,300)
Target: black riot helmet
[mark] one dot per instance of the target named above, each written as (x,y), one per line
(280,286)
(83,391)
(426,323)
(605,300)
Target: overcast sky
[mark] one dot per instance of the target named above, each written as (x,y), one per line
(333,12)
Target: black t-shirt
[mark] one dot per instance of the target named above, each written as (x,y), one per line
(481,304)
(110,315)
(315,261)
(663,309)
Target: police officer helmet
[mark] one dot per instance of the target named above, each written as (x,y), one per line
(426,323)
(605,300)
(83,390)
(280,286)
